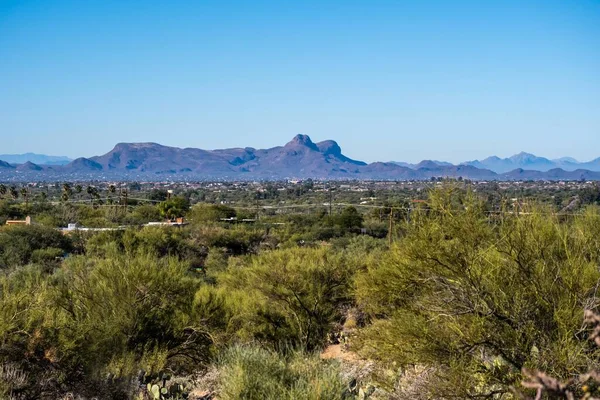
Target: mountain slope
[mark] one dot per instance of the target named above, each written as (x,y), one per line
(29,166)
(5,165)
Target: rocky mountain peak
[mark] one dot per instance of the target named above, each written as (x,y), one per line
(302,141)
(330,147)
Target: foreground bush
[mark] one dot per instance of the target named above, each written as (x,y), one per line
(479,299)
(127,312)
(20,242)
(255,373)
(290,297)
(99,317)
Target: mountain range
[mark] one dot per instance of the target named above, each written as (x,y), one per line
(40,159)
(526,161)
(529,161)
(299,158)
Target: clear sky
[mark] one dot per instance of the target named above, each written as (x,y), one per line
(389,80)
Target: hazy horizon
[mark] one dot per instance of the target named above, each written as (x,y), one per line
(388,80)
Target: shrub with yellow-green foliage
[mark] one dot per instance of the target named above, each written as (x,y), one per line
(101,315)
(19,243)
(127,308)
(250,372)
(480,298)
(290,297)
(203,213)
(26,347)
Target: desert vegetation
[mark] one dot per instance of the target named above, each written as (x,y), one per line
(463,294)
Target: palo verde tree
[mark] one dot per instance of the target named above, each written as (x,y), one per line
(123,312)
(477,299)
(289,297)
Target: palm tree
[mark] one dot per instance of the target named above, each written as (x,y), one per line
(112,189)
(90,191)
(78,189)
(25,195)
(93,193)
(67,192)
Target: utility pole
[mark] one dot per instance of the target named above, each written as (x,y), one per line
(391,225)
(126,202)
(120,196)
(257,206)
(330,200)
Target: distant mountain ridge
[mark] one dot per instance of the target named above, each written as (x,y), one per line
(529,161)
(40,159)
(299,158)
(525,161)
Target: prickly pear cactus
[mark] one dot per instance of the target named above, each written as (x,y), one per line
(157,389)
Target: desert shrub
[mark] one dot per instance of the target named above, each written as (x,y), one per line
(237,240)
(360,245)
(285,297)
(17,243)
(376,228)
(158,241)
(215,263)
(23,360)
(206,213)
(10,210)
(49,219)
(254,373)
(50,256)
(124,312)
(98,243)
(91,217)
(96,316)
(349,220)
(481,300)
(144,213)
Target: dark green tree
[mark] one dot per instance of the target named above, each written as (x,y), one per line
(174,208)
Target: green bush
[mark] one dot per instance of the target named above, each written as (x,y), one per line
(238,240)
(49,255)
(124,312)
(478,299)
(254,373)
(174,208)
(23,342)
(17,243)
(145,213)
(285,297)
(203,213)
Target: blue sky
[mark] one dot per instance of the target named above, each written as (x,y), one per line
(389,80)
